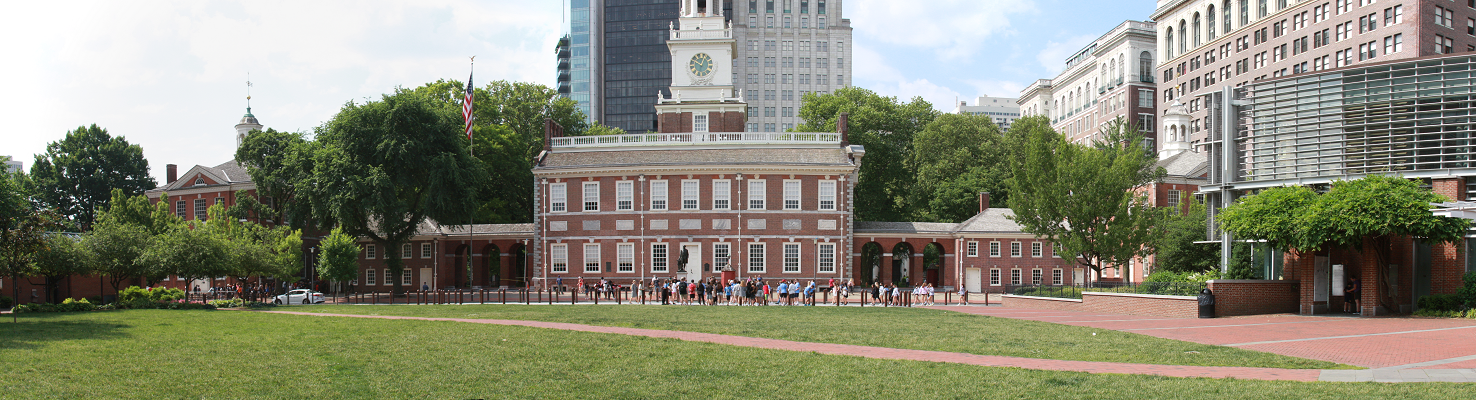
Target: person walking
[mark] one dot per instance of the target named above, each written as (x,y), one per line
(963,295)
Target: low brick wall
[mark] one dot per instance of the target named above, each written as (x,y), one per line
(1253,297)
(1114,303)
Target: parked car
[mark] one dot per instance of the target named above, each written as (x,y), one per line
(299,296)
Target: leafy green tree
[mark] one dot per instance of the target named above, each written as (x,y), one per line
(384,167)
(23,231)
(190,253)
(886,128)
(257,250)
(62,257)
(1081,197)
(77,174)
(275,160)
(338,257)
(1274,215)
(1177,250)
(956,157)
(123,231)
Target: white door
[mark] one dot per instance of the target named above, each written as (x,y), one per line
(425,278)
(1079,277)
(972,280)
(694,261)
(1321,284)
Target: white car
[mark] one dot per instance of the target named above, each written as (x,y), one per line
(298,296)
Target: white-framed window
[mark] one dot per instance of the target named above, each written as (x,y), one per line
(791,258)
(721,256)
(1015,249)
(1056,250)
(994,249)
(591,196)
(558,254)
(1056,276)
(659,256)
(756,194)
(658,195)
(827,195)
(689,194)
(1015,276)
(721,194)
(591,257)
(369,278)
(625,257)
(791,194)
(994,278)
(406,251)
(1035,276)
(371,251)
(756,258)
(179,208)
(201,209)
(699,123)
(389,280)
(1037,249)
(825,256)
(558,197)
(973,249)
(1173,198)
(624,196)
(405,276)
(425,250)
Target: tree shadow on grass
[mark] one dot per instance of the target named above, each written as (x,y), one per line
(33,330)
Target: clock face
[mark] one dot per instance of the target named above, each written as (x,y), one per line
(701,64)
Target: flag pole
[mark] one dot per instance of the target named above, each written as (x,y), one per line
(472,148)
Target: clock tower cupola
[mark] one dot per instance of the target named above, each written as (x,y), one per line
(702,95)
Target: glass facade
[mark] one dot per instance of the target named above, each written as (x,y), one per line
(1405,117)
(577,54)
(637,63)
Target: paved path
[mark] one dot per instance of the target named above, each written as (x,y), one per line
(1394,349)
(947,357)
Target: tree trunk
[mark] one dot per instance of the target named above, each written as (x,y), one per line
(396,266)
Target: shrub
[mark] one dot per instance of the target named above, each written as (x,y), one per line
(1442,302)
(70,305)
(136,297)
(6,302)
(1468,292)
(227,303)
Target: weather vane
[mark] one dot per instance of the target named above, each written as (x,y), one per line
(248,90)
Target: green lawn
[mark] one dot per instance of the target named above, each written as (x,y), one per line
(231,354)
(906,328)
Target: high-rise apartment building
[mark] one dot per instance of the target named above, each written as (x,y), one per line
(1110,78)
(1002,110)
(619,61)
(1211,44)
(787,49)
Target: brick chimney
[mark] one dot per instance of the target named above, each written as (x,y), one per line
(842,126)
(171,173)
(983,201)
(551,130)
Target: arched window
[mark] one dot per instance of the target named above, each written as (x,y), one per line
(1260,8)
(1145,66)
(1209,22)
(1244,13)
(1196,30)
(1173,133)
(1168,43)
(1183,37)
(1225,8)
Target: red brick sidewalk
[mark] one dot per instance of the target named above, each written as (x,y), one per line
(900,354)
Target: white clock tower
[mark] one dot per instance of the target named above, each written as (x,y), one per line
(702,96)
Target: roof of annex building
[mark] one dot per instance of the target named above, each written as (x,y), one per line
(229,172)
(1187,164)
(788,149)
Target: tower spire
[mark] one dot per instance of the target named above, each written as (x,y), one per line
(248,93)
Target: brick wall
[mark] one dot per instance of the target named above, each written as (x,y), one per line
(1253,297)
(1115,303)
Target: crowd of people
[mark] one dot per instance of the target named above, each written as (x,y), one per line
(756,291)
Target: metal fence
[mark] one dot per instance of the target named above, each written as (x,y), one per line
(1075,291)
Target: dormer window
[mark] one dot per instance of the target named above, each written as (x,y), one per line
(199,181)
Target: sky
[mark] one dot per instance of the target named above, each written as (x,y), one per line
(171,76)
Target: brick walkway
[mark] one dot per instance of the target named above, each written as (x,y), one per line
(1395,349)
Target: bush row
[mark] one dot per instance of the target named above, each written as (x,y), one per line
(135,297)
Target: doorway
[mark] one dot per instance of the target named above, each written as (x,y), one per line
(426,275)
(972,280)
(694,261)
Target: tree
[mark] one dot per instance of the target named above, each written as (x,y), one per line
(886,128)
(77,174)
(956,157)
(1177,250)
(1081,197)
(62,257)
(338,257)
(275,160)
(123,231)
(1370,211)
(384,167)
(257,250)
(23,231)
(190,253)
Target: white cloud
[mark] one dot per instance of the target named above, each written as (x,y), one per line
(874,73)
(954,28)
(169,74)
(994,88)
(1053,55)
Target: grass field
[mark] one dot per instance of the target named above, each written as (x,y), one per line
(231,354)
(905,328)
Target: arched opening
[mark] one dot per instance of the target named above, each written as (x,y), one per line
(901,263)
(1225,8)
(1183,37)
(1196,30)
(1168,43)
(459,268)
(933,264)
(1209,22)
(871,261)
(1145,66)
(492,270)
(517,268)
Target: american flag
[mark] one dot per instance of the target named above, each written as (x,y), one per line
(466,107)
